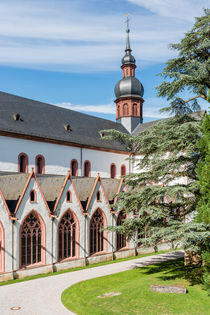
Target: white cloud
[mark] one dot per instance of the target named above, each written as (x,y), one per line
(151,108)
(60,35)
(102,109)
(179,9)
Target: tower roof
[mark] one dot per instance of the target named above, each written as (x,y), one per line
(128,58)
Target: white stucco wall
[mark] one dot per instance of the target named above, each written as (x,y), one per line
(24,209)
(7,230)
(93,206)
(58,157)
(62,207)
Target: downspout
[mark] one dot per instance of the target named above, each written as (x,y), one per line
(52,246)
(81,160)
(13,250)
(85,238)
(112,238)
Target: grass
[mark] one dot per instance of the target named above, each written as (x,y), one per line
(136,297)
(79,268)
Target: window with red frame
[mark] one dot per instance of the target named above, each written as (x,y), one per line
(31,240)
(121,239)
(67,236)
(96,235)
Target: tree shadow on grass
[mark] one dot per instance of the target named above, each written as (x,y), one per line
(171,270)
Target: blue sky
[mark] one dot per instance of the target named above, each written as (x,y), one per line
(68,52)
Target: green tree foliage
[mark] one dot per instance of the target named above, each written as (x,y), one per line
(190,70)
(203,171)
(164,191)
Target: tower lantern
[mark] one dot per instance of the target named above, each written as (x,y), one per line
(129,91)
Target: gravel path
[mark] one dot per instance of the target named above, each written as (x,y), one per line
(43,296)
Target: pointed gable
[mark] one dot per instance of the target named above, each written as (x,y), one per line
(31,184)
(65,187)
(122,188)
(98,186)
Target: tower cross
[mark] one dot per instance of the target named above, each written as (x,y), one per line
(127,22)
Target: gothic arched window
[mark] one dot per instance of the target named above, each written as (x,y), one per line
(125,109)
(113,170)
(134,110)
(87,169)
(121,239)
(96,235)
(123,170)
(74,168)
(31,240)
(40,164)
(118,111)
(23,163)
(67,236)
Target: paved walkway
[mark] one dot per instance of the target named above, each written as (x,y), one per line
(43,296)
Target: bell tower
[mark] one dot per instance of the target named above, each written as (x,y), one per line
(129,91)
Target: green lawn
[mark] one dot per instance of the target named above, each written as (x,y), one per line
(136,297)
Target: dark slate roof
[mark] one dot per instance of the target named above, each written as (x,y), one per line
(141,127)
(47,121)
(12,185)
(111,186)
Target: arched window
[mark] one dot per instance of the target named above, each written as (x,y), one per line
(126,71)
(118,111)
(74,168)
(68,196)
(2,249)
(67,236)
(125,109)
(98,195)
(96,235)
(31,240)
(113,171)
(121,239)
(134,110)
(87,169)
(40,164)
(32,196)
(123,170)
(23,163)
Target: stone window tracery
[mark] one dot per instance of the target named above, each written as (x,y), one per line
(121,238)
(67,236)
(31,241)
(96,235)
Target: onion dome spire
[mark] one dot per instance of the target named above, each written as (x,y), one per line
(128,58)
